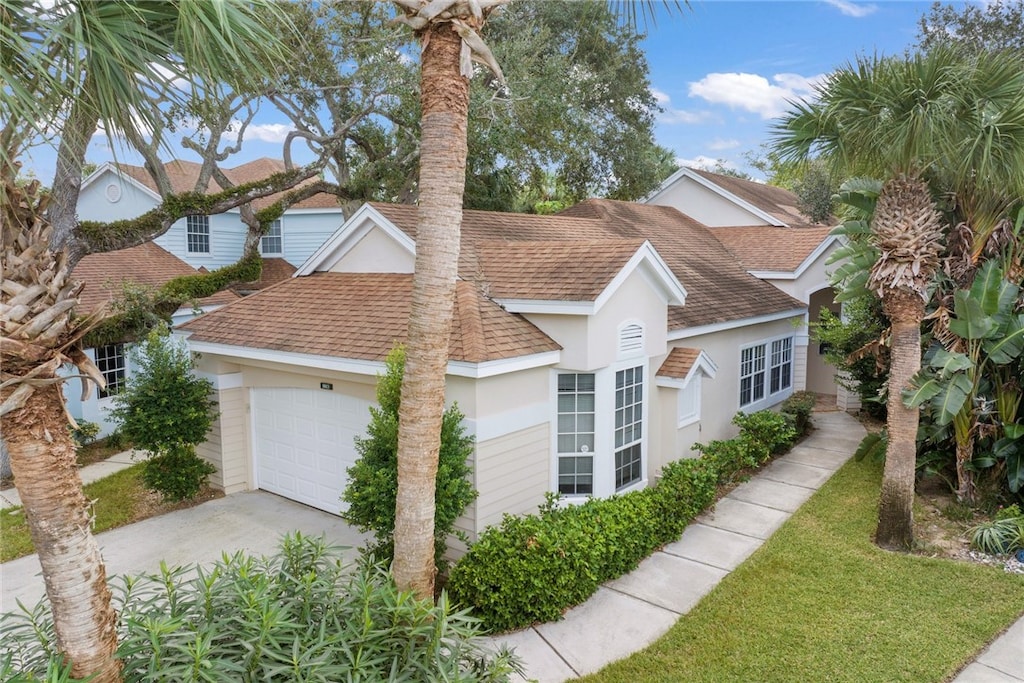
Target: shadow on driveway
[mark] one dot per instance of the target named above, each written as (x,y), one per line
(254,521)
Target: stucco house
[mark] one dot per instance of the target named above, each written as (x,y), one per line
(589,348)
(122,191)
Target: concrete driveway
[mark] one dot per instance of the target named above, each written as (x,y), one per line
(253,521)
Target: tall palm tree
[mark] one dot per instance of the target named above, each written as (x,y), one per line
(938,120)
(449,31)
(108,62)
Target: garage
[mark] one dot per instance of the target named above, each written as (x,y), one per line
(304,442)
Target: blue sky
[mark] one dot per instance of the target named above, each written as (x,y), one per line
(722,71)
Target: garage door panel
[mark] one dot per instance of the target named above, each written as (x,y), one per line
(304,442)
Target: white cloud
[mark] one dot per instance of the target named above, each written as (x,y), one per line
(268,132)
(851,9)
(720,144)
(754,93)
(670,115)
(705,163)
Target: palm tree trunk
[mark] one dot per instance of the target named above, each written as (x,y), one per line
(905,310)
(445,104)
(45,471)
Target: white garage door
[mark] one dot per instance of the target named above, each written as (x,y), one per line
(304,443)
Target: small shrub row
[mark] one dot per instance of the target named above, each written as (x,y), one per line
(531,568)
(178,474)
(762,435)
(299,615)
(799,407)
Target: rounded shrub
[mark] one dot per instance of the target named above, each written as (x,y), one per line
(178,474)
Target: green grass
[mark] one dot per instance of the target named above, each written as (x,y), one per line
(119,500)
(819,602)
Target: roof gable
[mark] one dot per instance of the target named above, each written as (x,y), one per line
(362,316)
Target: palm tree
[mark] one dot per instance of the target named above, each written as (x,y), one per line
(449,31)
(943,120)
(109,62)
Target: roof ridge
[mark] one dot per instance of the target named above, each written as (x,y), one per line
(471,324)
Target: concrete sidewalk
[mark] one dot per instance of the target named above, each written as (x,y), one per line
(1000,662)
(9,497)
(631,612)
(252,521)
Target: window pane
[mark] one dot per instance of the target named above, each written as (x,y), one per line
(567,403)
(566,424)
(567,382)
(585,403)
(585,382)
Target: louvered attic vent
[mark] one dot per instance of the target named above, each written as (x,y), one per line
(631,340)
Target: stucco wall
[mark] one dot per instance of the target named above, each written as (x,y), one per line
(704,205)
(375,252)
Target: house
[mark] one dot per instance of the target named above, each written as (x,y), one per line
(588,349)
(105,275)
(122,191)
(763,228)
(195,243)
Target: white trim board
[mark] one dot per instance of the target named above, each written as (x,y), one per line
(688,332)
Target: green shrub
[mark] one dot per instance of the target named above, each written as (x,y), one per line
(85,433)
(178,474)
(299,615)
(532,568)
(766,431)
(999,536)
(799,406)
(728,457)
(373,479)
(163,406)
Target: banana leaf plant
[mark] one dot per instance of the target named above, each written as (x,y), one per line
(971,383)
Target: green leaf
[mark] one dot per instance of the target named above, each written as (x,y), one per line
(1015,471)
(992,290)
(948,402)
(925,387)
(1010,345)
(1014,431)
(971,321)
(948,363)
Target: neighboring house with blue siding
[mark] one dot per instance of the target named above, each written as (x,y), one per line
(119,191)
(122,191)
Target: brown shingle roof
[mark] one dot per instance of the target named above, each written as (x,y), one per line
(274,270)
(559,271)
(718,287)
(362,316)
(776,201)
(679,362)
(184,175)
(147,264)
(766,247)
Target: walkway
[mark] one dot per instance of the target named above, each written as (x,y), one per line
(9,497)
(631,612)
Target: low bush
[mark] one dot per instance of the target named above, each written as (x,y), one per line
(799,406)
(299,615)
(532,568)
(1004,534)
(178,474)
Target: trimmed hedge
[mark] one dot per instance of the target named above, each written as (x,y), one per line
(532,568)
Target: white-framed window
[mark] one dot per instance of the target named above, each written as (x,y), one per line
(272,243)
(780,367)
(110,360)
(689,401)
(629,409)
(197,234)
(766,369)
(576,426)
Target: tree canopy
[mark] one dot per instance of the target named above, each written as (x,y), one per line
(990,26)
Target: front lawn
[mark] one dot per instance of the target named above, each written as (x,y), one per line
(819,602)
(120,499)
